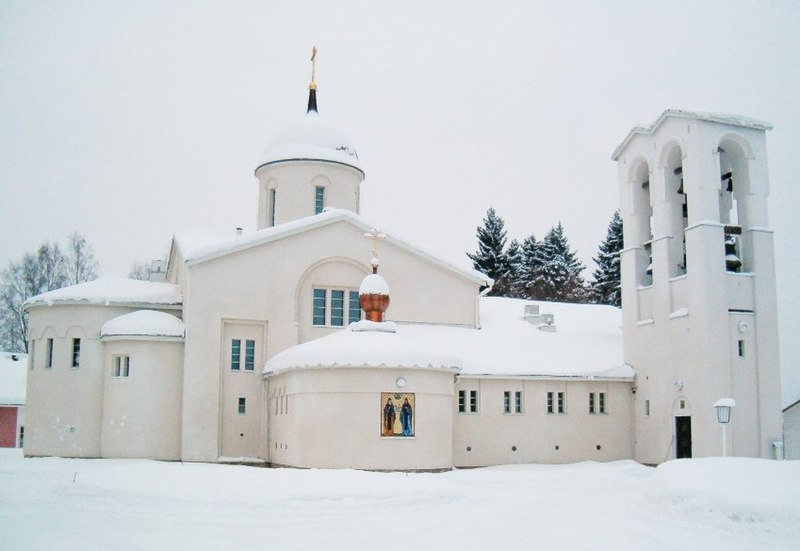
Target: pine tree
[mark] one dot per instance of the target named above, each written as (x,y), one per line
(606,278)
(490,258)
(559,276)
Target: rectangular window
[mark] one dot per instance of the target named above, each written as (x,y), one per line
(601,397)
(236,354)
(561,403)
(462,401)
(549,402)
(354,310)
(473,401)
(518,401)
(741,349)
(76,352)
(320,298)
(319,199)
(122,366)
(647,408)
(506,402)
(249,355)
(242,406)
(591,402)
(337,308)
(272,207)
(48,358)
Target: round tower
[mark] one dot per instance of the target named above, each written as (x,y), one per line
(306,168)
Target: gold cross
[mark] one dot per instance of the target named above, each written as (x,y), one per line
(374,235)
(313,65)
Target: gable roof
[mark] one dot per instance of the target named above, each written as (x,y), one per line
(724,118)
(196,250)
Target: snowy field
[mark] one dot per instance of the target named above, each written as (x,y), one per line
(52,503)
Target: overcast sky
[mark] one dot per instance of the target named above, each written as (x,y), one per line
(130,121)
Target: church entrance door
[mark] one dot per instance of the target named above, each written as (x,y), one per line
(683,437)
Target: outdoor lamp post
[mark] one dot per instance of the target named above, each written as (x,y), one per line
(723,407)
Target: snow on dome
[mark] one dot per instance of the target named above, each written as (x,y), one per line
(357,346)
(111,290)
(144,323)
(312,138)
(374,284)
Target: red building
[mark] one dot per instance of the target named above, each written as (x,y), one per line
(13,370)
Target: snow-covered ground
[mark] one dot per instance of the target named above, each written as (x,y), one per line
(51,503)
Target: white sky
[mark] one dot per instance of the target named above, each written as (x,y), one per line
(129,121)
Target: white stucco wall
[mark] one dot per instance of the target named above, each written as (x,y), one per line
(490,434)
(141,412)
(791,432)
(333,419)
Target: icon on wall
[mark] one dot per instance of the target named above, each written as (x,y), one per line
(397,414)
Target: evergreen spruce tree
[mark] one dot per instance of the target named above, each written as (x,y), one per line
(606,278)
(559,276)
(490,259)
(529,268)
(511,279)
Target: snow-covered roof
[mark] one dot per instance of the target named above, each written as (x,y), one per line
(195,250)
(13,375)
(587,343)
(144,323)
(724,118)
(311,138)
(112,290)
(364,344)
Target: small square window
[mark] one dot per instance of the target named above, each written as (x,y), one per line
(242,406)
(122,366)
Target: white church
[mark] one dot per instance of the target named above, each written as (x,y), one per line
(317,341)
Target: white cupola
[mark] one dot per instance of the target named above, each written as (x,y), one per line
(309,166)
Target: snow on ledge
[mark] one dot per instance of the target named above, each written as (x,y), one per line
(113,290)
(144,323)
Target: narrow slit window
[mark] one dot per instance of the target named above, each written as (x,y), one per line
(272,207)
(601,398)
(236,354)
(473,401)
(249,355)
(561,402)
(242,406)
(462,401)
(741,348)
(507,402)
(591,402)
(76,353)
(647,408)
(549,402)
(319,199)
(48,358)
(518,401)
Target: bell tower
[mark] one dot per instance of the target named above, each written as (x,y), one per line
(698,285)
(307,168)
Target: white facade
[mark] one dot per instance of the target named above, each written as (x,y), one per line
(698,281)
(176,370)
